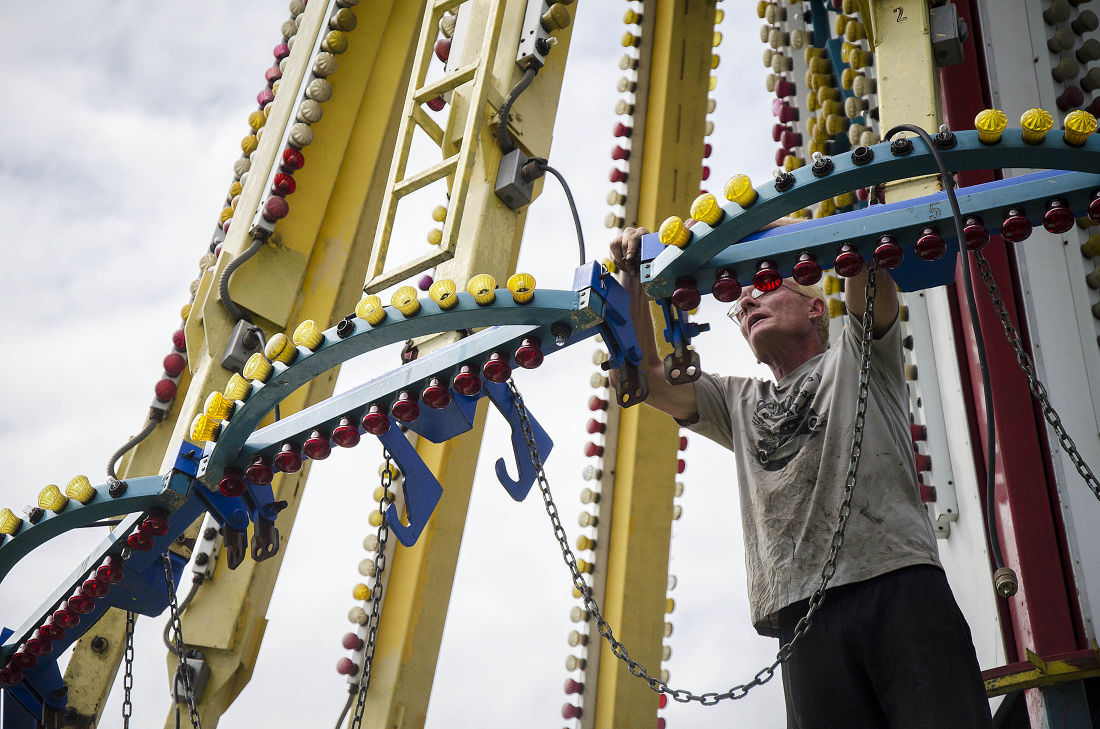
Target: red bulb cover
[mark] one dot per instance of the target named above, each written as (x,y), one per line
(726,288)
(174,364)
(260,471)
(275,208)
(595,426)
(375,421)
(529,354)
(11,675)
(930,246)
(156,524)
(346,667)
(443,49)
(139,541)
(569,711)
(686,296)
(51,630)
(621,130)
(282,50)
(977,237)
(435,395)
(573,687)
(592,450)
(95,587)
(165,390)
(597,403)
(288,459)
(806,272)
(888,254)
(767,277)
(405,408)
(81,604)
(23,658)
(1094,208)
(345,434)
(467,382)
(1058,218)
(293,159)
(39,645)
(111,570)
(618,152)
(848,262)
(436,104)
(497,368)
(179,340)
(232,483)
(681,464)
(283,184)
(352,642)
(265,97)
(316,447)
(1016,227)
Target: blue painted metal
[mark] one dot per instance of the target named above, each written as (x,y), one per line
(422,489)
(662,266)
(518,488)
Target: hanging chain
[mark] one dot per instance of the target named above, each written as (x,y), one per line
(375,598)
(184,670)
(1038,390)
(128,675)
(767,672)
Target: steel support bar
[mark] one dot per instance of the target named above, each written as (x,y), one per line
(1036,671)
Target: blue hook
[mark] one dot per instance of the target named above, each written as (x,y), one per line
(519,488)
(422,489)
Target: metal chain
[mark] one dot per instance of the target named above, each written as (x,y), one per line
(375,598)
(766,673)
(1038,390)
(184,670)
(128,675)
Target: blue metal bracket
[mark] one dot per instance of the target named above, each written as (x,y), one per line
(422,489)
(501,397)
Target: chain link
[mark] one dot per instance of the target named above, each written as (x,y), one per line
(128,675)
(1037,388)
(184,670)
(767,673)
(375,598)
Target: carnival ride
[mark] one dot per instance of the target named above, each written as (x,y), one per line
(237,459)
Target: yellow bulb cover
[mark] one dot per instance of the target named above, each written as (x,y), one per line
(217,407)
(522,286)
(670,605)
(792,163)
(719,16)
(435,237)
(844,199)
(249,144)
(375,519)
(706,208)
(761,8)
(360,592)
(185,311)
(827,206)
(716,40)
(832,285)
(52,499)
(628,39)
(9,522)
(280,349)
(585,567)
(80,488)
(308,335)
(439,213)
(204,429)
(673,232)
(257,368)
(713,84)
(443,292)
(226,214)
(739,190)
(238,388)
(256,120)
(235,189)
(990,124)
(1079,125)
(1035,124)
(483,288)
(336,41)
(405,301)
(836,308)
(370,308)
(847,78)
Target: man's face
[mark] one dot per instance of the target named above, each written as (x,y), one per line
(770,320)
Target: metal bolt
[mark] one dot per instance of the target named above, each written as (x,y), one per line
(209,533)
(201,558)
(116,489)
(99,644)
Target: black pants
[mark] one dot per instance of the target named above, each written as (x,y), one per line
(893,652)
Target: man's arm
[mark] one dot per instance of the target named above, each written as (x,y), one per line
(676,400)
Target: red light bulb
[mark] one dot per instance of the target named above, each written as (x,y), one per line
(288,459)
(888,253)
(11,675)
(293,159)
(51,631)
(260,471)
(569,711)
(597,403)
(81,604)
(848,261)
(726,288)
(1058,218)
(179,340)
(95,587)
(767,277)
(443,49)
(930,246)
(375,421)
(23,658)
(466,381)
(39,645)
(283,184)
(436,104)
(595,426)
(111,570)
(405,408)
(807,271)
(436,395)
(686,296)
(139,541)
(232,483)
(174,364)
(662,701)
(1094,209)
(592,450)
(317,446)
(346,667)
(352,642)
(1016,227)
(156,524)
(345,435)
(529,354)
(66,618)
(573,687)
(165,390)
(977,237)
(497,368)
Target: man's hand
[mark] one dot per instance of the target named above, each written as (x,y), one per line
(626,250)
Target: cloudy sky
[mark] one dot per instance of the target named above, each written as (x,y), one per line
(123,124)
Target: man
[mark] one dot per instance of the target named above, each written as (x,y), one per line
(889,646)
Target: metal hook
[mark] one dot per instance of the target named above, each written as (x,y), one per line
(422,490)
(517,488)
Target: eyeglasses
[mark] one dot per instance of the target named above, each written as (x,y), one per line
(736,311)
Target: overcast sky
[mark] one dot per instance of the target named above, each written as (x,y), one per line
(123,123)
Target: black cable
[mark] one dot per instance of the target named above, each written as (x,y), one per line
(235,312)
(504,139)
(979,341)
(542,165)
(263,345)
(186,601)
(152,423)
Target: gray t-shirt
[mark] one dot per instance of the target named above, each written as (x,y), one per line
(791,442)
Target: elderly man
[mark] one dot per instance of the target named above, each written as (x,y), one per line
(889,647)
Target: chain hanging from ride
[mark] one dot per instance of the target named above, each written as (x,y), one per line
(1038,389)
(184,671)
(128,674)
(375,598)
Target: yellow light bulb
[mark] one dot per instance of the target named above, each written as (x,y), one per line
(249,144)
(673,232)
(235,189)
(405,301)
(435,237)
(792,163)
(80,488)
(217,407)
(844,199)
(990,124)
(713,84)
(204,429)
(584,542)
(336,41)
(256,119)
(370,308)
(360,592)
(706,208)
(716,40)
(257,368)
(375,519)
(52,499)
(439,213)
(382,493)
(629,40)
(585,567)
(185,311)
(670,605)
(1079,125)
(739,190)
(522,286)
(836,308)
(308,335)
(483,288)
(1035,124)
(832,285)
(9,522)
(280,349)
(226,214)
(238,388)
(443,292)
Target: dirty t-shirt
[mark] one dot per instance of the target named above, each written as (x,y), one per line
(791,442)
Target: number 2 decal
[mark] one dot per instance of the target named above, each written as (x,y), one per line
(901,14)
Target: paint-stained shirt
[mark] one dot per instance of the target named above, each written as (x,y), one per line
(791,442)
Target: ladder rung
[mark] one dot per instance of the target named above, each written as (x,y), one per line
(452,80)
(426,123)
(425,177)
(442,6)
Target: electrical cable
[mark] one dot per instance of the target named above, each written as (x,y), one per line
(504,139)
(542,165)
(235,312)
(347,707)
(979,341)
(186,601)
(153,422)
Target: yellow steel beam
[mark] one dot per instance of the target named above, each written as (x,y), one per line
(637,562)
